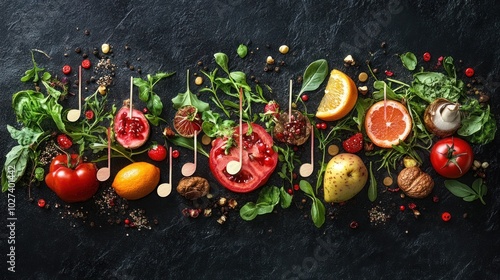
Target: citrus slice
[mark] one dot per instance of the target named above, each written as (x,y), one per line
(339,99)
(387,122)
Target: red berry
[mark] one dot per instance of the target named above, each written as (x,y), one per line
(86,63)
(272,108)
(127,221)
(469,72)
(318,125)
(354,143)
(446,216)
(304,97)
(89,114)
(353,225)
(289,191)
(66,69)
(388,73)
(427,56)
(402,208)
(323,126)
(64,141)
(145,110)
(175,153)
(157,152)
(440,59)
(412,205)
(41,203)
(296,187)
(435,198)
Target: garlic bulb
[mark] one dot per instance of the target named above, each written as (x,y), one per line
(442,117)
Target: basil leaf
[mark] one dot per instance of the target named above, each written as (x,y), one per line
(476,185)
(264,208)
(39,174)
(16,162)
(458,189)
(285,198)
(306,187)
(25,136)
(409,60)
(314,75)
(188,98)
(248,212)
(372,189)
(318,212)
(222,60)
(242,50)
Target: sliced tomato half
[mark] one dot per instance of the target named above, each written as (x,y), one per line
(259,159)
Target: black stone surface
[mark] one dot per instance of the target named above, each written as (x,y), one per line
(174,36)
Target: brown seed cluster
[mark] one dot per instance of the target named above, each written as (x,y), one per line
(377,215)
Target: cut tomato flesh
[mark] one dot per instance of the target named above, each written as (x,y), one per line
(257,163)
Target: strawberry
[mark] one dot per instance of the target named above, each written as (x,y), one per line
(272,108)
(64,141)
(157,152)
(354,143)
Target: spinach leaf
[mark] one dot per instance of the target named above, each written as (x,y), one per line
(242,51)
(314,75)
(188,98)
(409,60)
(317,207)
(477,191)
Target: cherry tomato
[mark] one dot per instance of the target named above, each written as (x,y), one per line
(72,179)
(157,152)
(469,72)
(258,164)
(451,157)
(66,69)
(64,141)
(86,63)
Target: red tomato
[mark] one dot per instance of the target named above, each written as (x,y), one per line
(259,159)
(157,152)
(73,182)
(451,157)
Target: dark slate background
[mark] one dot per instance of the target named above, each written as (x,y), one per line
(174,37)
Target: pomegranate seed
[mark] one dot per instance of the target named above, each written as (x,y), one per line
(435,198)
(145,110)
(446,216)
(440,59)
(41,203)
(412,205)
(295,148)
(469,72)
(402,208)
(89,114)
(289,191)
(427,56)
(127,221)
(296,187)
(353,225)
(388,73)
(175,154)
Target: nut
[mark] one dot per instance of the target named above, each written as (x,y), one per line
(284,49)
(270,60)
(363,90)
(409,162)
(105,48)
(348,60)
(415,183)
(102,89)
(193,187)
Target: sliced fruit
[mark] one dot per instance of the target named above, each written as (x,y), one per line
(294,129)
(187,121)
(354,143)
(136,180)
(131,132)
(387,122)
(339,99)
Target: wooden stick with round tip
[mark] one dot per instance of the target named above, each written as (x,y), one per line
(307,169)
(290,102)
(234,166)
(165,189)
(74,114)
(131,95)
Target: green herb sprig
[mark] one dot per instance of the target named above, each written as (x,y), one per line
(269,197)
(317,207)
(147,95)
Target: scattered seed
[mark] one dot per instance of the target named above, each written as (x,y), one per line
(363,77)
(388,181)
(333,150)
(349,61)
(270,60)
(198,81)
(363,90)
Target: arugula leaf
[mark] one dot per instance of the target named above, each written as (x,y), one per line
(32,74)
(242,50)
(409,60)
(372,189)
(214,126)
(188,98)
(147,95)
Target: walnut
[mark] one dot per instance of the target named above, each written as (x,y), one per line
(415,183)
(193,187)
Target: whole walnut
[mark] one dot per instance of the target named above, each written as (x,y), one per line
(415,183)
(193,187)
